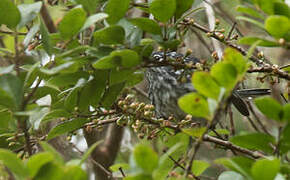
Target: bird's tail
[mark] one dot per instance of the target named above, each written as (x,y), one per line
(244,93)
(237,96)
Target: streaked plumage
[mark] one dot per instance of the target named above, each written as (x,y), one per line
(166,87)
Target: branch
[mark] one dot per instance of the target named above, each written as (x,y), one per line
(210,124)
(12,33)
(229,145)
(106,153)
(211,21)
(47,18)
(275,70)
(269,68)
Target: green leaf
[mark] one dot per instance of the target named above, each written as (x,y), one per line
(286,112)
(37,115)
(30,35)
(225,74)
(117,75)
(67,126)
(116,10)
(6,99)
(265,169)
(89,5)
(165,161)
(67,79)
(238,164)
(49,148)
(74,173)
(266,6)
(194,104)
(281,8)
(50,171)
(255,141)
(46,41)
(162,10)
(93,90)
(195,131)
(170,44)
(14,164)
(6,118)
(147,25)
(74,52)
(9,14)
(11,91)
(230,175)
(94,19)
(206,85)
(7,69)
(181,138)
(182,6)
(137,77)
(270,108)
(72,98)
(285,139)
(57,69)
(263,42)
(116,167)
(219,131)
(38,160)
(235,58)
(250,20)
(28,12)
(31,75)
(72,23)
(111,94)
(282,22)
(46,90)
(128,57)
(124,58)
(145,158)
(107,62)
(109,35)
(142,176)
(198,167)
(89,151)
(249,11)
(55,114)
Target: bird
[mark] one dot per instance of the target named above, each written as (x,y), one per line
(167,84)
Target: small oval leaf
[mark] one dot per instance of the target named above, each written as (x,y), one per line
(162,10)
(72,23)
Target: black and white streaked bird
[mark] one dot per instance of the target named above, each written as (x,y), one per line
(167,85)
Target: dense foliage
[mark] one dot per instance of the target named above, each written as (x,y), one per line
(72,65)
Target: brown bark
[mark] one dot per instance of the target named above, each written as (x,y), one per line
(106,153)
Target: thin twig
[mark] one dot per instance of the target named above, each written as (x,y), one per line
(211,23)
(207,47)
(47,18)
(270,69)
(93,161)
(30,95)
(182,167)
(252,123)
(12,33)
(257,118)
(232,124)
(277,148)
(285,66)
(229,145)
(122,172)
(217,115)
(283,97)
(140,91)
(231,31)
